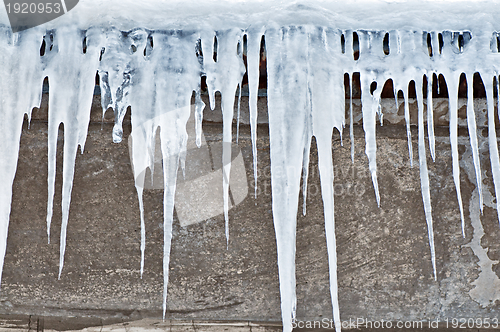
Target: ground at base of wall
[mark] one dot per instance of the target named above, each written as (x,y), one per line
(27,323)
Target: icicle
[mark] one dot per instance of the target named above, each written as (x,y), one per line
(141,90)
(424,174)
(119,58)
(224,76)
(51,166)
(305,171)
(471,124)
(325,164)
(452,80)
(351,118)
(21,79)
(430,117)
(238,115)
(72,78)
(139,189)
(369,109)
(308,129)
(347,62)
(253,61)
(176,72)
(139,166)
(492,138)
(328,112)
(287,118)
(408,128)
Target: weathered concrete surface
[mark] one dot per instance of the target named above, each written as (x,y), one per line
(384,260)
(51,324)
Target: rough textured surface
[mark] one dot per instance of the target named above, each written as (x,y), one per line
(384,260)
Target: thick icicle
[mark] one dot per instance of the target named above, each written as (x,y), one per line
(71,74)
(471,125)
(424,173)
(174,65)
(286,67)
(253,62)
(369,108)
(452,80)
(225,75)
(120,56)
(20,84)
(140,96)
(328,112)
(299,60)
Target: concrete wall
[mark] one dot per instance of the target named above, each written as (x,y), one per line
(384,265)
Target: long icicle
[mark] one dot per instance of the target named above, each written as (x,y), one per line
(70,67)
(452,82)
(369,109)
(21,76)
(326,88)
(325,163)
(492,139)
(253,61)
(424,173)
(351,117)
(471,124)
(287,118)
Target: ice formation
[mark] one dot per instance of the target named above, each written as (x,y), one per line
(151,55)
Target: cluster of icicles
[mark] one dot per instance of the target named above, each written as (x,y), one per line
(156,72)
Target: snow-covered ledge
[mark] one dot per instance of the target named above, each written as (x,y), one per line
(151,55)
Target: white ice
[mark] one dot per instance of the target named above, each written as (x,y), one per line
(150,56)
